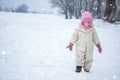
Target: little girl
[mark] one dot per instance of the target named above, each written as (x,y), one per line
(84,36)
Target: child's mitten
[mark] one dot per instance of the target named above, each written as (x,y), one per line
(70,46)
(99,48)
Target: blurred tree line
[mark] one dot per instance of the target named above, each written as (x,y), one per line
(108,10)
(23,8)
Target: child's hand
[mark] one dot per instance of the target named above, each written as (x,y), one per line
(70,46)
(99,48)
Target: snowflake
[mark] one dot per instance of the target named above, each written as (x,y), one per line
(7,28)
(114,77)
(110,4)
(3,52)
(103,3)
(113,6)
(43,9)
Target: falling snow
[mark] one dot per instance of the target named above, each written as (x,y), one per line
(33,47)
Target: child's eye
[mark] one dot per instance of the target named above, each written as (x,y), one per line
(89,22)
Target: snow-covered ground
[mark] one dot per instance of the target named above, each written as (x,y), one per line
(33,47)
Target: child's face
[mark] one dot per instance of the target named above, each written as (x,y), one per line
(87,23)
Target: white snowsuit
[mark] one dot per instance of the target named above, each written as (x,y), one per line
(84,40)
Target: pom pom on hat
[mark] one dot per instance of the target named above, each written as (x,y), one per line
(86,16)
(82,11)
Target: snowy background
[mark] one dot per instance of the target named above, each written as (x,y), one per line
(34,5)
(33,47)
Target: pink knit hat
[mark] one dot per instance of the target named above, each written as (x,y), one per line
(86,16)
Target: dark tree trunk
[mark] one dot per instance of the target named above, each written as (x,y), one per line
(66,13)
(98,9)
(91,5)
(110,10)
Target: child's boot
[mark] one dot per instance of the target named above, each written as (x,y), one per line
(78,69)
(86,70)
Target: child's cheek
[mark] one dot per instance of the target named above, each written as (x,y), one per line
(91,25)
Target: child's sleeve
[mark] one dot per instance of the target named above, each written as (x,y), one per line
(74,37)
(95,38)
